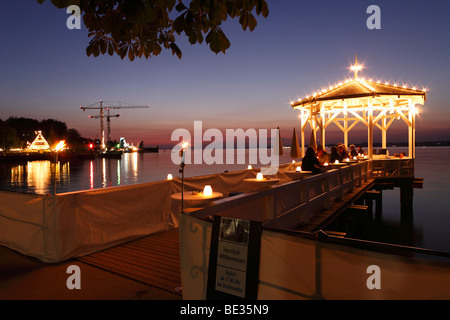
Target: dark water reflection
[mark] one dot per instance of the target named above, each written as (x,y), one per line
(429,227)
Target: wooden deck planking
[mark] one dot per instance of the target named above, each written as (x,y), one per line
(153,260)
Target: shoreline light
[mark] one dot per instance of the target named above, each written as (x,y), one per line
(60,145)
(169,176)
(259,176)
(298,169)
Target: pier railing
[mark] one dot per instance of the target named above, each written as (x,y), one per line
(393,167)
(294,201)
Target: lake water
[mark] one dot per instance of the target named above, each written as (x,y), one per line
(431,204)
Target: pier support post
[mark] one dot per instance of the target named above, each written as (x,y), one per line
(406,202)
(374,196)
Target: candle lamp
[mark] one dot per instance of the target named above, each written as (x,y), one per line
(207,191)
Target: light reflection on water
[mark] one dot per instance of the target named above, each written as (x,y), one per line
(431,210)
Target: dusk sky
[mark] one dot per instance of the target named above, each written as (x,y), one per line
(302,46)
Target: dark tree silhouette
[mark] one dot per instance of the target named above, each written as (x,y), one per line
(142,28)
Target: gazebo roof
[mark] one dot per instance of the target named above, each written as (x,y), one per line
(360,88)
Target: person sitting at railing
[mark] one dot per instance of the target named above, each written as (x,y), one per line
(310,162)
(353,152)
(361,151)
(399,155)
(334,155)
(322,155)
(343,152)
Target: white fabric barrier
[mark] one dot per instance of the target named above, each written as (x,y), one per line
(91,221)
(56,228)
(23,224)
(297,268)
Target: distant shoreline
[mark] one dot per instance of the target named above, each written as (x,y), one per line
(375,145)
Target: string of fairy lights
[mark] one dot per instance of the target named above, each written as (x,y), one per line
(367,83)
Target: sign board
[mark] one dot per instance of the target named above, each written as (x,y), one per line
(234,259)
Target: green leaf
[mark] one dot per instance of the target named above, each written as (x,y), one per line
(243,19)
(175,50)
(103,46)
(251,22)
(110,48)
(265,10)
(179,24)
(130,54)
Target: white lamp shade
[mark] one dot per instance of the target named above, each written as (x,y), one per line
(207,191)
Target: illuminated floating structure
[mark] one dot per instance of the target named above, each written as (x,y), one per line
(39,144)
(373,103)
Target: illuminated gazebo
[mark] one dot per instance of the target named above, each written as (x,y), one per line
(373,103)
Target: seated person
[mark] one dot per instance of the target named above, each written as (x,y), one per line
(310,162)
(322,155)
(353,152)
(334,155)
(343,152)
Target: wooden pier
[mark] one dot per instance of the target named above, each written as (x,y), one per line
(153,260)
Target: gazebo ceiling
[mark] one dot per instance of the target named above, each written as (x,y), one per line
(358,88)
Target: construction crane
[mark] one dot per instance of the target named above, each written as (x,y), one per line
(108,116)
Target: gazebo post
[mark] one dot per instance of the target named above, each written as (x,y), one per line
(303,141)
(370,129)
(322,125)
(383,134)
(345,125)
(303,123)
(412,129)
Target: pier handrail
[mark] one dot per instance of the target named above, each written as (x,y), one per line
(286,203)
